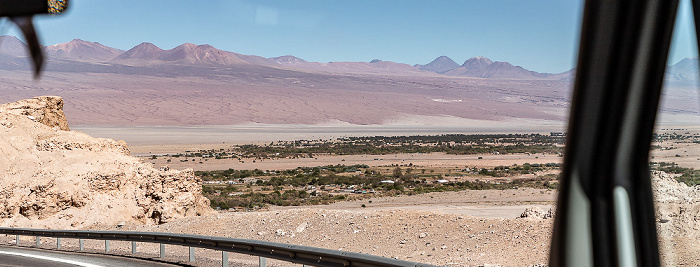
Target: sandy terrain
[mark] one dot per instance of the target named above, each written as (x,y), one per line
(483,203)
(274,96)
(418,160)
(408,235)
(688,154)
(169,138)
(685,153)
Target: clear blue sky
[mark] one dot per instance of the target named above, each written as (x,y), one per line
(538,35)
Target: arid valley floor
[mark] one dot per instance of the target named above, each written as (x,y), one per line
(57,178)
(502,227)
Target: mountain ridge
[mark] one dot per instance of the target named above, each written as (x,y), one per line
(482,67)
(83,50)
(148,54)
(143,51)
(288,59)
(11,46)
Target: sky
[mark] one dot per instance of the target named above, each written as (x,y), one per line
(538,35)
(683,44)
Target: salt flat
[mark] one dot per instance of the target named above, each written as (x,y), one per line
(169,139)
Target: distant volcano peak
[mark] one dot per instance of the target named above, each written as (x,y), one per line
(145,50)
(477,62)
(440,65)
(83,50)
(287,60)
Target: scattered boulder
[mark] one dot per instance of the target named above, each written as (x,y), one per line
(533,213)
(550,213)
(301,227)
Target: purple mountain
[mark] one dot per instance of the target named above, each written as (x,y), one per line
(440,65)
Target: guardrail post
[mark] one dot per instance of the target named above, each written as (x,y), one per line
(82,244)
(262,261)
(38,241)
(162,250)
(17,240)
(106,246)
(133,247)
(191,254)
(224,259)
(58,243)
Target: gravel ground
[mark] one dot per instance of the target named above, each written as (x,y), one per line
(434,228)
(430,237)
(431,228)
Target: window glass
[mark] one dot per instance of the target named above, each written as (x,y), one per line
(424,131)
(675,155)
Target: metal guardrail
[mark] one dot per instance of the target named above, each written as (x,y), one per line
(285,252)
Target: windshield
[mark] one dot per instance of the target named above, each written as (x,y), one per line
(422,131)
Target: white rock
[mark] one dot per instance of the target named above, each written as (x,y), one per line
(301,227)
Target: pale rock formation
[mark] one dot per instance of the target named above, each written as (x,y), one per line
(533,213)
(677,219)
(51,177)
(47,110)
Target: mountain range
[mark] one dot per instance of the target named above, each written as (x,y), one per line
(148,54)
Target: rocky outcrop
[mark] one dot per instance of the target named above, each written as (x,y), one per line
(537,213)
(677,206)
(677,209)
(47,110)
(51,177)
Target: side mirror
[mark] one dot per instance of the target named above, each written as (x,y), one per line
(20,12)
(23,8)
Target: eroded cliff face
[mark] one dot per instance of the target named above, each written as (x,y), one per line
(47,110)
(677,219)
(51,177)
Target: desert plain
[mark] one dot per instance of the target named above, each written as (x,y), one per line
(462,228)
